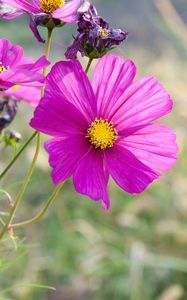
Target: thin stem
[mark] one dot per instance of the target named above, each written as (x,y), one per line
(47,51)
(43,211)
(2,221)
(88,65)
(14,150)
(10,201)
(22,190)
(17,155)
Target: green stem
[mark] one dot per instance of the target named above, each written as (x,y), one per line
(22,190)
(43,211)
(17,155)
(47,51)
(88,65)
(10,201)
(2,221)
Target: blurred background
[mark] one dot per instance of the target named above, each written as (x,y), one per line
(136,251)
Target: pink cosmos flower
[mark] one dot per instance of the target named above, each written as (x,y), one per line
(41,12)
(16,69)
(105,129)
(67,12)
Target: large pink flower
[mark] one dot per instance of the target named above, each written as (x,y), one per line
(16,69)
(105,129)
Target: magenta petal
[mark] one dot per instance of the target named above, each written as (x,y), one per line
(64,155)
(35,3)
(38,65)
(112,76)
(19,70)
(68,12)
(128,172)
(144,101)
(9,12)
(57,117)
(5,45)
(5,84)
(69,79)
(22,77)
(154,145)
(91,178)
(13,56)
(23,5)
(9,54)
(31,95)
(9,16)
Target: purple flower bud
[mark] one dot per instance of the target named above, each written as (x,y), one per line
(95,37)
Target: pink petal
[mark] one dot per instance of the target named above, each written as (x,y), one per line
(144,101)
(64,155)
(13,56)
(128,172)
(91,179)
(23,5)
(8,12)
(20,70)
(112,76)
(9,54)
(57,117)
(4,45)
(68,12)
(154,145)
(37,65)
(69,79)
(35,3)
(31,95)
(5,84)
(22,77)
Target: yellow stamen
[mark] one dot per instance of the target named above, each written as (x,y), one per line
(101,134)
(103,32)
(16,86)
(3,68)
(48,6)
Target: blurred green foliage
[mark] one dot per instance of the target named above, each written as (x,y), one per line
(137,251)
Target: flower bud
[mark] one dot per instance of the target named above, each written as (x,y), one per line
(95,37)
(11,137)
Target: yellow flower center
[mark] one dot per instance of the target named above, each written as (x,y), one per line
(16,86)
(3,68)
(103,32)
(101,134)
(48,6)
